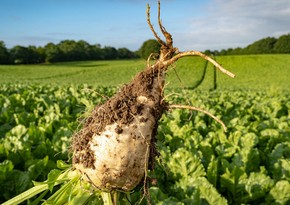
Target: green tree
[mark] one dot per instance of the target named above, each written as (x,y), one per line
(265,45)
(70,50)
(283,44)
(4,54)
(223,52)
(124,53)
(25,55)
(82,49)
(237,51)
(33,55)
(110,53)
(208,52)
(96,52)
(148,47)
(19,54)
(52,53)
(41,54)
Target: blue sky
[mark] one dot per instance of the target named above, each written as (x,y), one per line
(194,24)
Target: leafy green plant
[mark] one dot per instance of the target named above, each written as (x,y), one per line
(198,163)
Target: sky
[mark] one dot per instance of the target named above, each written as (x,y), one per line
(194,24)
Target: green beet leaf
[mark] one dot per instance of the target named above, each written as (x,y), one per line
(280,193)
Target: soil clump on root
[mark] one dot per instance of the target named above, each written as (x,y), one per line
(144,94)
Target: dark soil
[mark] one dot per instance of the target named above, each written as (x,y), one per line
(120,108)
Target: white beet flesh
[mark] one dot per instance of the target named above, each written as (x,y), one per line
(121,158)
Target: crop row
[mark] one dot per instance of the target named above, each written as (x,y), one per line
(198,162)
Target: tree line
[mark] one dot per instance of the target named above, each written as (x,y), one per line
(70,50)
(67,50)
(269,45)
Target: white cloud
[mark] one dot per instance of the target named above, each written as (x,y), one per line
(236,23)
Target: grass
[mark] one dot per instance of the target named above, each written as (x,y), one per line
(105,73)
(257,71)
(254,72)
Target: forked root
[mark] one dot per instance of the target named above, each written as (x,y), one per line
(197,53)
(169,54)
(200,110)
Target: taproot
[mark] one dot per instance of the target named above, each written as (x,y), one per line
(116,145)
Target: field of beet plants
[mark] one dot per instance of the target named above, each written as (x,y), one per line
(199,163)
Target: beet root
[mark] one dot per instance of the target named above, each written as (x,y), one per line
(115,147)
(112,149)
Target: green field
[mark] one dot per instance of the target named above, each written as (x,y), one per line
(41,107)
(254,72)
